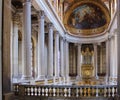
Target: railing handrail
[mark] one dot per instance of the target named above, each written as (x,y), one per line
(66,91)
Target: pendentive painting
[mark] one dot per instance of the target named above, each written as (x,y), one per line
(87,16)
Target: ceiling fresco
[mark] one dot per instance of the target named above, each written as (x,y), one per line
(87,17)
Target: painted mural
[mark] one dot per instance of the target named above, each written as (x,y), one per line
(87,16)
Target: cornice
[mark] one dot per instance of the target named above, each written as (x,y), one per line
(88,39)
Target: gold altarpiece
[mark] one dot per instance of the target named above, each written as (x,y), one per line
(87,68)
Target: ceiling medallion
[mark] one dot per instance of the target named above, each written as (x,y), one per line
(87,17)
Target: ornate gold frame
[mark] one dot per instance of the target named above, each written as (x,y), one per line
(94,31)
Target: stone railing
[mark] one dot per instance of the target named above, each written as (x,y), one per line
(66,91)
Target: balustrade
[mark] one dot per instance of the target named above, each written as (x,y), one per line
(66,91)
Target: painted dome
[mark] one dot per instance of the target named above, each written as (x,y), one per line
(87,17)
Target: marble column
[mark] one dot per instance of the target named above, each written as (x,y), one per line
(79,61)
(62,56)
(111,59)
(27,67)
(101,59)
(56,58)
(15,47)
(67,60)
(41,44)
(50,50)
(95,61)
(115,59)
(107,59)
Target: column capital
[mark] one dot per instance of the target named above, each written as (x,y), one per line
(62,38)
(95,44)
(56,32)
(16,18)
(27,1)
(50,25)
(41,14)
(78,44)
(66,41)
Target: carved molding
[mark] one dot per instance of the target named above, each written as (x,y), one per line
(16,18)
(50,25)
(41,14)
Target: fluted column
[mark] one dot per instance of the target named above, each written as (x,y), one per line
(41,44)
(15,47)
(50,50)
(67,60)
(62,56)
(56,58)
(95,61)
(111,59)
(115,59)
(79,61)
(27,74)
(107,59)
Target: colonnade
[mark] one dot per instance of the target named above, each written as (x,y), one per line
(58,51)
(57,48)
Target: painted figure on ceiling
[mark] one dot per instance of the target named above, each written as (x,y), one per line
(87,16)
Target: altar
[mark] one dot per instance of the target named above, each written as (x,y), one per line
(87,64)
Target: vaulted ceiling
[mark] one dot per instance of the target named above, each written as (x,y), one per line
(86,17)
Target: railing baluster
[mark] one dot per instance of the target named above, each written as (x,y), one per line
(81,94)
(53,92)
(110,91)
(66,91)
(105,92)
(31,91)
(46,91)
(85,92)
(97,94)
(69,92)
(113,92)
(43,91)
(89,91)
(77,91)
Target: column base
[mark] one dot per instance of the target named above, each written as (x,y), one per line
(24,77)
(15,80)
(113,80)
(55,79)
(41,77)
(78,78)
(67,79)
(46,81)
(50,77)
(96,77)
